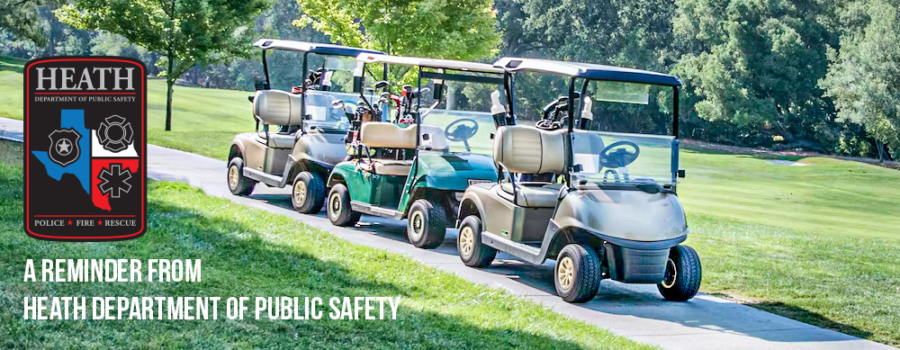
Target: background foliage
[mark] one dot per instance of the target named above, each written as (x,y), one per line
(783,74)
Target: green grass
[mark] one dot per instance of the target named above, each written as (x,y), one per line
(847,283)
(817,243)
(826,196)
(11,94)
(15,64)
(204,121)
(249,252)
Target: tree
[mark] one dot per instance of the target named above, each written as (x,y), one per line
(463,29)
(864,76)
(184,32)
(21,18)
(629,33)
(758,63)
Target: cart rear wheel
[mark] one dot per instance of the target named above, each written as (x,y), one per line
(577,273)
(339,211)
(238,184)
(308,193)
(427,224)
(683,274)
(471,250)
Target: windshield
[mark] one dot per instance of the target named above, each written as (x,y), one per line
(461,117)
(329,79)
(327,110)
(622,128)
(614,106)
(620,158)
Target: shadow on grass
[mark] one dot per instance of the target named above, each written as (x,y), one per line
(12,64)
(810,317)
(238,260)
(765,155)
(642,301)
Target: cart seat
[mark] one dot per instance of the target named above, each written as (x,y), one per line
(390,135)
(532,194)
(388,167)
(281,140)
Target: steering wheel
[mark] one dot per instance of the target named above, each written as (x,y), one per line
(619,157)
(459,131)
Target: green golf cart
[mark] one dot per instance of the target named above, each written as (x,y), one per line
(420,170)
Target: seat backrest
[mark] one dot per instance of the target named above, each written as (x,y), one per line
(390,135)
(276,107)
(529,150)
(387,135)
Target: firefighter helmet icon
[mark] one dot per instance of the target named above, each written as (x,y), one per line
(64,149)
(115,134)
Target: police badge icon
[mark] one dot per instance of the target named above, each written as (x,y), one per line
(64,147)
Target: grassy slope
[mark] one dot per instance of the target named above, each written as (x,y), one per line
(826,196)
(816,243)
(204,120)
(11,87)
(248,252)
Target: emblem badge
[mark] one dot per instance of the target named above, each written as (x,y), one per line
(86,148)
(64,147)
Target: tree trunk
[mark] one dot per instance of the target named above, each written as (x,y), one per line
(170,84)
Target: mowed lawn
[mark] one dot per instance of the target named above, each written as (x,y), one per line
(819,243)
(249,252)
(204,120)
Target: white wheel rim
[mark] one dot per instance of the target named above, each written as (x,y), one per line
(233,177)
(300,193)
(671,274)
(417,225)
(335,204)
(466,241)
(565,273)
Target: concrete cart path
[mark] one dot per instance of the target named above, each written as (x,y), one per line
(635,311)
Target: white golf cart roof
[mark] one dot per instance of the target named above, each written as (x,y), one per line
(317,48)
(586,70)
(429,62)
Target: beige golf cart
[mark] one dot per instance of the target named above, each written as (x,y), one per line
(601,203)
(300,129)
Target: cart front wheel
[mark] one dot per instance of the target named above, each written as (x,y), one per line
(427,224)
(339,211)
(308,193)
(471,250)
(577,273)
(683,274)
(237,183)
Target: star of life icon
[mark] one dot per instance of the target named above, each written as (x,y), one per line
(114,181)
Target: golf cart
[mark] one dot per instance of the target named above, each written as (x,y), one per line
(609,207)
(420,170)
(303,127)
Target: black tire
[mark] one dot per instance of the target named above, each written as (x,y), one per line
(683,284)
(339,211)
(471,250)
(582,265)
(426,225)
(313,196)
(236,181)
